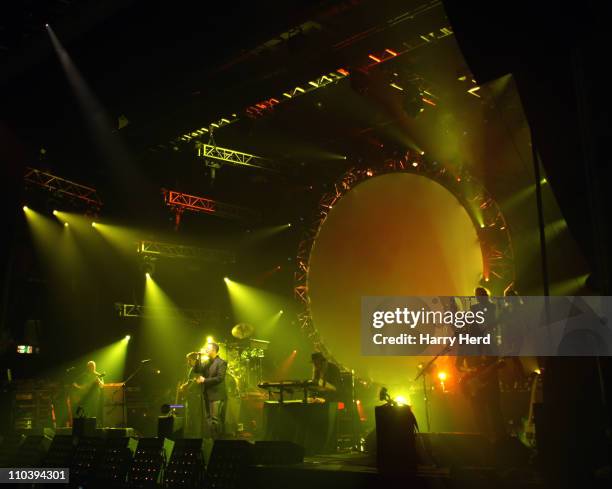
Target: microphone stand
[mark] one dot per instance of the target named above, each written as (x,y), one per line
(423,373)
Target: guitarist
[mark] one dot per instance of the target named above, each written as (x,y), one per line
(192,397)
(480,372)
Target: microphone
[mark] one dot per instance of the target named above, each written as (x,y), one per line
(145,361)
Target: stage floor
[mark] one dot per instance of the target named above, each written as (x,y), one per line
(355,470)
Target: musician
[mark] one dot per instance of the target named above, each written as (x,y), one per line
(477,363)
(88,393)
(326,375)
(212,379)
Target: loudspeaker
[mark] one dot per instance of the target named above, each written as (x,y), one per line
(114,405)
(84,427)
(395,439)
(277,453)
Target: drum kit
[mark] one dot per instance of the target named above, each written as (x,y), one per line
(245,358)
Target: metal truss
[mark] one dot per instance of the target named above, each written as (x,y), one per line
(485,213)
(63,187)
(261,108)
(194,316)
(168,250)
(180,202)
(234,157)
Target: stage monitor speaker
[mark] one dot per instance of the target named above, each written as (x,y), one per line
(172,427)
(84,427)
(277,453)
(228,464)
(395,439)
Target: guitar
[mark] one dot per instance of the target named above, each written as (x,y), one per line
(472,382)
(182,389)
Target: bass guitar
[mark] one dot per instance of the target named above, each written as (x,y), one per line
(474,381)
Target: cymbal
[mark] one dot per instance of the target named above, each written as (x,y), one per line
(242,331)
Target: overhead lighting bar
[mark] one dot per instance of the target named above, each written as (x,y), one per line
(196,316)
(61,186)
(181,202)
(169,250)
(233,157)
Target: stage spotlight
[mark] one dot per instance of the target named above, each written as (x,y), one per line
(148,267)
(210,339)
(127,337)
(281,312)
(226,280)
(401,401)
(289,225)
(415,164)
(26,208)
(442,376)
(543,181)
(55,213)
(93,224)
(66,224)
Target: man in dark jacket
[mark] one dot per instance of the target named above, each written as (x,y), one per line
(212,379)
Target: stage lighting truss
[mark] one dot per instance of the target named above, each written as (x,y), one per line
(233,157)
(64,188)
(156,249)
(370,60)
(196,317)
(181,202)
(485,213)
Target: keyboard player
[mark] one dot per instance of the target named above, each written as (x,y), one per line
(325,378)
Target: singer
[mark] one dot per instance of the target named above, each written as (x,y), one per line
(212,379)
(87,394)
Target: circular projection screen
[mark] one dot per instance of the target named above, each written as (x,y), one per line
(395,234)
